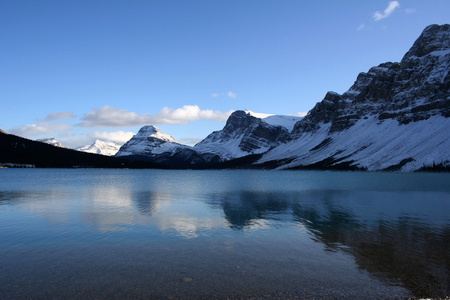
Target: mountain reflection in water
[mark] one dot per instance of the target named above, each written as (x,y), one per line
(395,243)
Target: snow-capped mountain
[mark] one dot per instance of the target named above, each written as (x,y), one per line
(149,141)
(151,145)
(247,133)
(52,141)
(395,117)
(101,147)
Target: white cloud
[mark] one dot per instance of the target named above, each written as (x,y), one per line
(114,117)
(231,95)
(31,130)
(60,115)
(410,10)
(108,116)
(377,16)
(187,114)
(361,27)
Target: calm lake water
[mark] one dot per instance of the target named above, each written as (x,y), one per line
(216,234)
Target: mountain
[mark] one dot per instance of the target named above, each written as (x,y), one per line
(51,141)
(149,141)
(394,117)
(151,145)
(244,134)
(247,133)
(101,147)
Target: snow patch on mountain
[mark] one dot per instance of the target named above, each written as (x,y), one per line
(52,141)
(153,132)
(276,120)
(227,149)
(101,147)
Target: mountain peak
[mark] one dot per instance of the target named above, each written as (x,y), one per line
(246,133)
(149,141)
(148,130)
(433,38)
(151,131)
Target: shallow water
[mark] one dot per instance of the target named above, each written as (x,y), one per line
(217,234)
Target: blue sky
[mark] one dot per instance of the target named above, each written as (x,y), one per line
(81,70)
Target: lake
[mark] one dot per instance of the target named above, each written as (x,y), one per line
(91,233)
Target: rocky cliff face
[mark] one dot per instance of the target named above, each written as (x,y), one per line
(394,117)
(412,90)
(247,133)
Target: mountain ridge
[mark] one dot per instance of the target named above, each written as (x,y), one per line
(391,97)
(101,147)
(395,117)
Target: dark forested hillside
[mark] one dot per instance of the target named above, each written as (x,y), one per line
(18,150)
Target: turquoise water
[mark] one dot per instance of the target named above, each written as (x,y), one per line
(87,233)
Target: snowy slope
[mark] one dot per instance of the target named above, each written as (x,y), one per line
(370,144)
(52,141)
(101,147)
(149,141)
